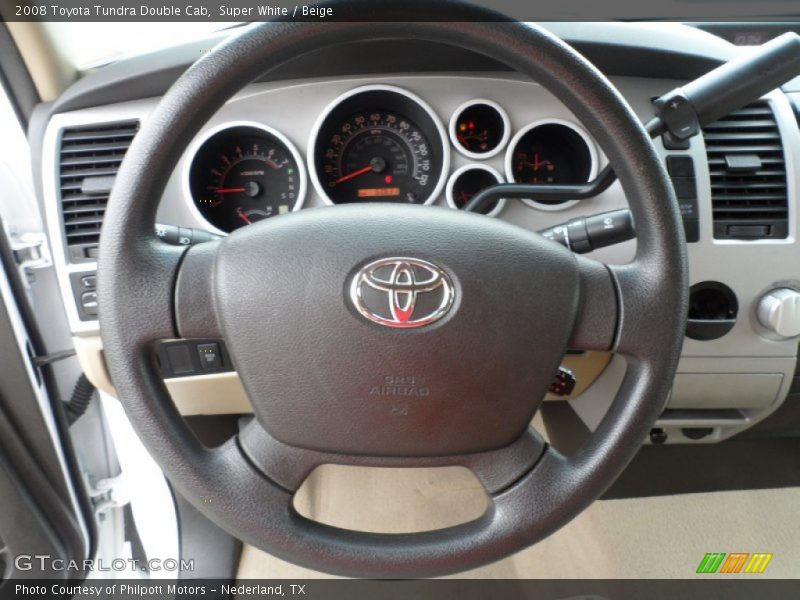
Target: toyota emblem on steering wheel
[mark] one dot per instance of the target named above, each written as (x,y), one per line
(402,292)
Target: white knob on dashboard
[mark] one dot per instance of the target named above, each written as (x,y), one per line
(779,311)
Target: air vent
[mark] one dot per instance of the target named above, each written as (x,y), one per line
(88,162)
(748,175)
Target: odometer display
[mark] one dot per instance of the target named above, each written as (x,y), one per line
(379,144)
(245,173)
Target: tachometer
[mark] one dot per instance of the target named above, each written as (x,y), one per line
(245,172)
(379,144)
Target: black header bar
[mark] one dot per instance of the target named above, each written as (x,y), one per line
(414,10)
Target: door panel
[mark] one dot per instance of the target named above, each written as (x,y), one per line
(42,510)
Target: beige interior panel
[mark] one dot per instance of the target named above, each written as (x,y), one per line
(661,537)
(393,500)
(89,351)
(222,393)
(219,394)
(611,539)
(400,500)
(50,73)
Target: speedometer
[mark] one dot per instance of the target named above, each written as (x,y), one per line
(378,156)
(379,144)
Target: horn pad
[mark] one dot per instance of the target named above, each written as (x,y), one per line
(388,330)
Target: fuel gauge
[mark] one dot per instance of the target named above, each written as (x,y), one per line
(479,129)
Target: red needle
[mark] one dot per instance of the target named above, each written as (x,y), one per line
(344,178)
(244,217)
(240,190)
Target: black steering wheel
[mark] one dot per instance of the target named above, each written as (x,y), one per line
(504,305)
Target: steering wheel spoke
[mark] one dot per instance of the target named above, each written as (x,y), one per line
(142,296)
(195,316)
(614,313)
(598,314)
(288,466)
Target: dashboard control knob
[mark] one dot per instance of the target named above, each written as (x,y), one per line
(779,311)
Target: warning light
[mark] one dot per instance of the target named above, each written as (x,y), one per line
(388,179)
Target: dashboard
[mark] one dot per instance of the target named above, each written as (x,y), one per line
(308,142)
(380,143)
(282,147)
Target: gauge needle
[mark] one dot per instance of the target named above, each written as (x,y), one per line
(349,176)
(243,216)
(239,190)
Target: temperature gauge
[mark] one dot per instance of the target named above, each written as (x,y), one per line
(467,181)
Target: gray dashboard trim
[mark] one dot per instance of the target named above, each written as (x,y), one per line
(741,265)
(629,49)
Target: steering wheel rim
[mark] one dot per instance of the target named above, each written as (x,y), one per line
(246,485)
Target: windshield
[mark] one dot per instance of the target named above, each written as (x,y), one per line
(87,45)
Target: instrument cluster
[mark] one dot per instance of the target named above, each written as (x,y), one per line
(379,143)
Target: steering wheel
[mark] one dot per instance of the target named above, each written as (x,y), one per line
(500,306)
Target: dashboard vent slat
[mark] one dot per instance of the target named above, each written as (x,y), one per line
(77,177)
(747,204)
(96,159)
(741,124)
(739,134)
(93,147)
(86,153)
(100,132)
